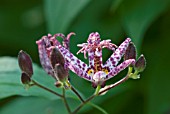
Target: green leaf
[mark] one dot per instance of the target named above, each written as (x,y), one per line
(34,105)
(60,13)
(156,77)
(10,83)
(97,107)
(137,16)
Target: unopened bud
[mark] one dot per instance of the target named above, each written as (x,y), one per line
(140,64)
(130,52)
(25,79)
(25,63)
(58,84)
(56,57)
(61,73)
(58,62)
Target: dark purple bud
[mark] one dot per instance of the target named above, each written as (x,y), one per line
(25,79)
(56,58)
(130,52)
(25,63)
(140,64)
(61,73)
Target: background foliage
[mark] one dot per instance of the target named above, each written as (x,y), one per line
(147,22)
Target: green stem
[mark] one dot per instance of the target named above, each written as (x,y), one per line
(82,104)
(115,84)
(65,102)
(136,72)
(97,89)
(47,89)
(100,92)
(76,92)
(130,69)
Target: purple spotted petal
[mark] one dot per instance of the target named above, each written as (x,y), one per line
(94,38)
(66,40)
(43,55)
(119,68)
(74,64)
(117,55)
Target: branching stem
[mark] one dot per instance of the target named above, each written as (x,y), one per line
(65,102)
(47,89)
(101,92)
(76,92)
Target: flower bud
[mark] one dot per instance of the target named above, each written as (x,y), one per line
(25,63)
(58,64)
(130,52)
(140,64)
(60,72)
(58,84)
(25,79)
(56,57)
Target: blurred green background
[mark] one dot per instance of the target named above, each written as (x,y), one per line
(147,22)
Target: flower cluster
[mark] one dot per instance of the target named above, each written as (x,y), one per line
(56,58)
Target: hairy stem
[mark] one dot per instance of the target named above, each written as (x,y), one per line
(76,92)
(65,102)
(47,89)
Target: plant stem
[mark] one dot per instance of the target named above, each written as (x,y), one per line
(47,89)
(97,89)
(100,92)
(76,92)
(115,84)
(82,104)
(65,102)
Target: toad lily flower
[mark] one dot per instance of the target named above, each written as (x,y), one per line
(96,72)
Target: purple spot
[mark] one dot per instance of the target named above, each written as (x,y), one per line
(91,64)
(117,58)
(113,62)
(71,55)
(79,66)
(84,64)
(78,61)
(64,53)
(111,59)
(115,54)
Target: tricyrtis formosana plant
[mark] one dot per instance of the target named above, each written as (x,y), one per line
(56,59)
